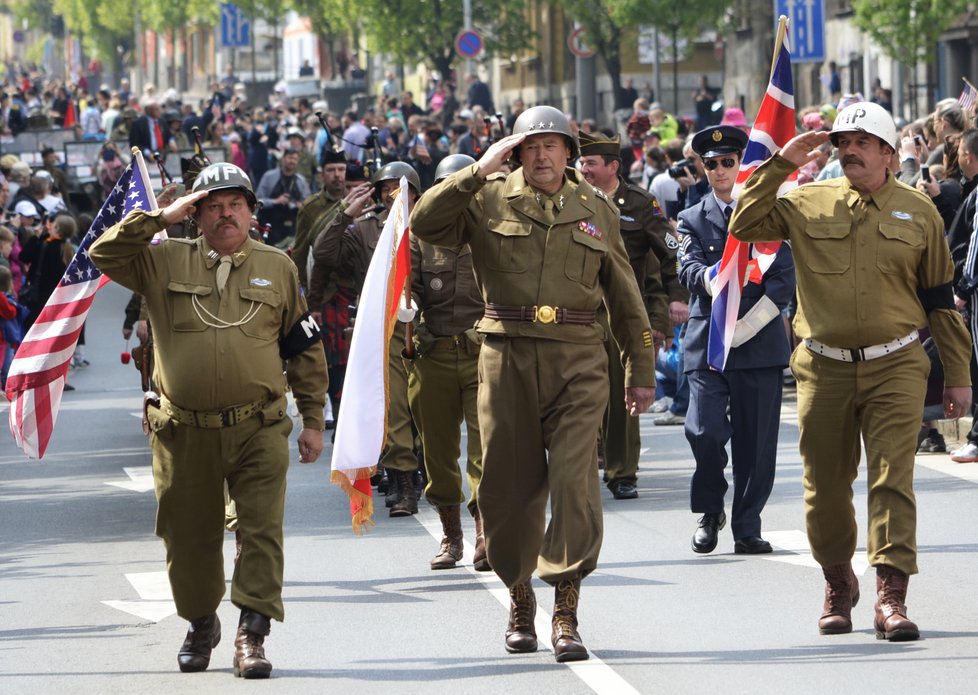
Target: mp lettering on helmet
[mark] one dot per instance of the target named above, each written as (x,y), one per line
(218,172)
(856,115)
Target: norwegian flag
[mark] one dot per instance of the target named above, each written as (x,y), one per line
(37,374)
(772,129)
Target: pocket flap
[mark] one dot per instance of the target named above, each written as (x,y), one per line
(510,227)
(833,230)
(189,288)
(902,232)
(265,296)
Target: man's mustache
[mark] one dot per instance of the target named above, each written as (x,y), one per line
(852,159)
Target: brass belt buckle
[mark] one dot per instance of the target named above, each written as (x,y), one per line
(545,314)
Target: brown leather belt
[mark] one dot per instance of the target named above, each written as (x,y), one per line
(212,419)
(539,314)
(448,343)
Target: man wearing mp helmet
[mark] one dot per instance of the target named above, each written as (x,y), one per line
(226,311)
(872,267)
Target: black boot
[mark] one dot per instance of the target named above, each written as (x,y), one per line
(203,635)
(407,504)
(249,646)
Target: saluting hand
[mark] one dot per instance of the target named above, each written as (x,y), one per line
(182,208)
(803,148)
(357,199)
(497,154)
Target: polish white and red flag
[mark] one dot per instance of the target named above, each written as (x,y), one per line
(361,428)
(37,374)
(773,127)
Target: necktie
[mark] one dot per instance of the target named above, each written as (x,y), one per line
(548,210)
(727,212)
(158,134)
(223,270)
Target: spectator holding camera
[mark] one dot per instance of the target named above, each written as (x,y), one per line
(280,192)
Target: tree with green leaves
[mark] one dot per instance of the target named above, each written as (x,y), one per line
(606,23)
(415,32)
(907,30)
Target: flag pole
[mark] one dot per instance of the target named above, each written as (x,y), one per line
(778,41)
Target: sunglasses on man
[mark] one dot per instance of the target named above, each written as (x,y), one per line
(712,164)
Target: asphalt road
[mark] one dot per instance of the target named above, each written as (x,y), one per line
(85,608)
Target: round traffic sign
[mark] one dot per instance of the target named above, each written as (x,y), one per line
(575,42)
(468,44)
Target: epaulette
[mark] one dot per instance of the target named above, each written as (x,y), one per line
(601,194)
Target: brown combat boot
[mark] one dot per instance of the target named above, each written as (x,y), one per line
(480,560)
(407,503)
(891,612)
(521,635)
(841,594)
(203,635)
(566,640)
(249,649)
(450,551)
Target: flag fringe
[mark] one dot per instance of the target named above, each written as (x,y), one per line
(356,484)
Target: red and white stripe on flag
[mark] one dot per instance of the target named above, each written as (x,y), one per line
(773,127)
(361,428)
(37,374)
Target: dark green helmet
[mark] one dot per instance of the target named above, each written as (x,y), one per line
(452,163)
(394,171)
(223,176)
(545,119)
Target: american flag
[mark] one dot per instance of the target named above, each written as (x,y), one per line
(37,374)
(968,97)
(773,127)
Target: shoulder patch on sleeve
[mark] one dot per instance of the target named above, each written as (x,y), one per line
(671,242)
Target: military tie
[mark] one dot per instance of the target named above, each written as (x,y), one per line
(727,212)
(223,270)
(548,210)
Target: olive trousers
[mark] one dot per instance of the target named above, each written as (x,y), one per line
(443,389)
(190,467)
(541,403)
(882,401)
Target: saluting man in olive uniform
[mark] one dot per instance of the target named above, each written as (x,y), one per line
(650,247)
(443,381)
(872,267)
(226,311)
(547,251)
(347,246)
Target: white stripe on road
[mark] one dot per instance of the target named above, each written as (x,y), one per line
(796,543)
(942,463)
(594,672)
(140,479)
(156,600)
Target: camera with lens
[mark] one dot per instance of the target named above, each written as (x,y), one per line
(683,167)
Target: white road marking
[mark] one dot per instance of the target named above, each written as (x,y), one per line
(140,479)
(594,672)
(796,543)
(942,463)
(156,601)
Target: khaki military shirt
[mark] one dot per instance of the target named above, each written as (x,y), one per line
(652,252)
(347,245)
(444,287)
(200,367)
(308,225)
(574,260)
(859,260)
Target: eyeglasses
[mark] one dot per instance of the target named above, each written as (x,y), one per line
(712,164)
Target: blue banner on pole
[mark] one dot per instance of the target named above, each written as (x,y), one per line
(235,27)
(806,28)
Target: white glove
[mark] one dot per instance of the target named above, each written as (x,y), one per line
(759,315)
(406,314)
(706,278)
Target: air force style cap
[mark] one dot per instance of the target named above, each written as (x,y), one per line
(598,143)
(717,140)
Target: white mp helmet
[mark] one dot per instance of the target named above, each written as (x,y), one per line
(866,117)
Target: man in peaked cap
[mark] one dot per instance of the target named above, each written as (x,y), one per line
(651,250)
(751,380)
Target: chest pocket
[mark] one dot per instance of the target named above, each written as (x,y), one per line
(899,249)
(828,250)
(264,303)
(507,245)
(712,249)
(436,273)
(584,255)
(180,301)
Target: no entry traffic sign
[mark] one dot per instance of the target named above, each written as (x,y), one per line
(468,44)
